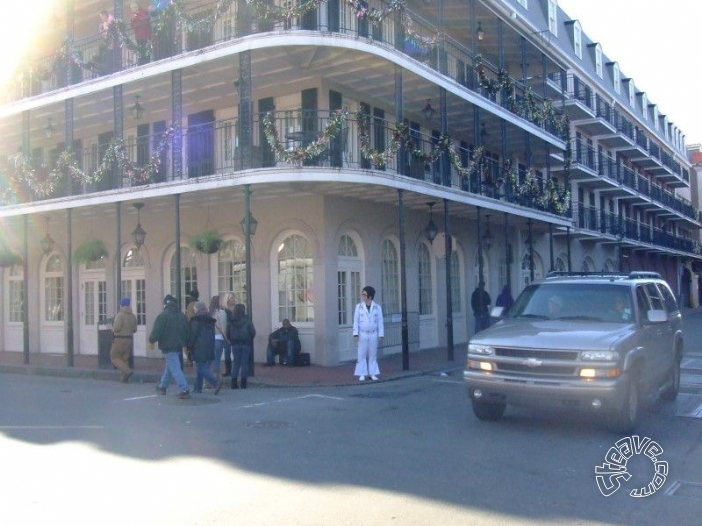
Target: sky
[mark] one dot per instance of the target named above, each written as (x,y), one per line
(655,42)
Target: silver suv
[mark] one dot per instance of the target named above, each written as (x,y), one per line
(593,342)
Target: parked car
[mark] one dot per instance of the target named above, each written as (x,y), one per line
(580,341)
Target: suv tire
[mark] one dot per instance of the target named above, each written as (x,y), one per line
(625,419)
(488,411)
(671,392)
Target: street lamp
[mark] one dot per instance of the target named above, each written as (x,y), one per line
(488,239)
(139,234)
(47,242)
(431,231)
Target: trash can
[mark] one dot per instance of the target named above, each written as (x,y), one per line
(105,337)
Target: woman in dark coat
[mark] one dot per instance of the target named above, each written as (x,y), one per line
(241,335)
(201,346)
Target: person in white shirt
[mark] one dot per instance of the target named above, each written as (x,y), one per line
(368,330)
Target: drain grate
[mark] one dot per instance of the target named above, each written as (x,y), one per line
(689,405)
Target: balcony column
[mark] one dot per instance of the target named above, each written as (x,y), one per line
(402,162)
(177,121)
(449,299)
(473,44)
(525,65)
(550,245)
(531,252)
(403,282)
(544,72)
(68,138)
(25,291)
(68,298)
(508,254)
(445,161)
(245,110)
(69,65)
(118,130)
(568,246)
(26,140)
(118,12)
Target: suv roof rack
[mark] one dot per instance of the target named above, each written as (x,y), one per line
(600,274)
(635,274)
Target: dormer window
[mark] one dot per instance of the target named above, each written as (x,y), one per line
(616,78)
(578,39)
(655,116)
(553,17)
(644,106)
(598,60)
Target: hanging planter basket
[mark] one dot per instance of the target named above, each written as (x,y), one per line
(8,258)
(208,242)
(90,251)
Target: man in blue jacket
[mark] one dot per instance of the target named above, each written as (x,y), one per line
(171,331)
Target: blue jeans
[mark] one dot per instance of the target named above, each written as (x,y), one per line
(241,351)
(173,370)
(203,371)
(217,363)
(227,358)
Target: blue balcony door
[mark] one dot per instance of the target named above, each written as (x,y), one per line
(201,143)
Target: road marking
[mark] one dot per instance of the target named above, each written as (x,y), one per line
(282,400)
(141,397)
(52,427)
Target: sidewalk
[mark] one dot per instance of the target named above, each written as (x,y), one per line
(148,370)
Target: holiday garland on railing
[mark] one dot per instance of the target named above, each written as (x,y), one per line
(552,197)
(21,169)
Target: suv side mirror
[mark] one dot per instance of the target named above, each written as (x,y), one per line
(657,316)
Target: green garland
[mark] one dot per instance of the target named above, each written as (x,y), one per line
(42,183)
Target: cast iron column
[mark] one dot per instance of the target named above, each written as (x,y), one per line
(403,283)
(25,293)
(449,297)
(247,238)
(68,297)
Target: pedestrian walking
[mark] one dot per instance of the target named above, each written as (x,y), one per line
(123,329)
(202,347)
(171,331)
(228,300)
(241,334)
(368,330)
(221,338)
(480,302)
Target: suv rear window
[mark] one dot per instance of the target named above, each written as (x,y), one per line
(591,301)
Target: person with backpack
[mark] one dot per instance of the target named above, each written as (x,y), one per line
(241,334)
(202,347)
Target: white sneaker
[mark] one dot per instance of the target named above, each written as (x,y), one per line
(361,378)
(374,377)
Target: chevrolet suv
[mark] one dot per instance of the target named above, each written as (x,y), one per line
(591,342)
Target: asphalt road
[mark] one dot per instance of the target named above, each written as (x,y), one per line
(85,452)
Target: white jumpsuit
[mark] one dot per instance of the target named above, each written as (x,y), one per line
(368,326)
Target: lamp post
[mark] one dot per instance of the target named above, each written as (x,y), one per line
(47,242)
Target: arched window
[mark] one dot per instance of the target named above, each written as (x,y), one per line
(53,289)
(231,269)
(295,280)
(348,283)
(16,292)
(390,278)
(526,270)
(455,283)
(588,264)
(561,265)
(424,275)
(133,259)
(188,272)
(609,265)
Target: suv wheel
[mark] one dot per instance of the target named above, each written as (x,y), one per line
(488,411)
(624,421)
(671,392)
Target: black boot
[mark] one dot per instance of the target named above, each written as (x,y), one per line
(234,384)
(243,383)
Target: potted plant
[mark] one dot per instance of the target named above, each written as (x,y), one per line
(207,242)
(8,258)
(90,251)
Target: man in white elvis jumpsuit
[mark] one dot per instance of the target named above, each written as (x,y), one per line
(367,330)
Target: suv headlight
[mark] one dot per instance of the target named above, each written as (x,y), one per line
(599,356)
(485,350)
